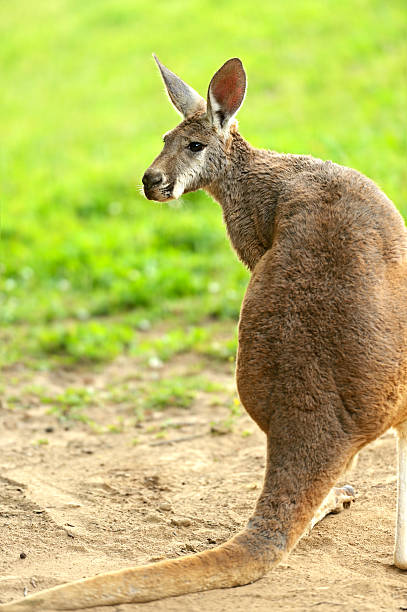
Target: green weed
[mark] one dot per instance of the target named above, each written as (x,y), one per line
(178,392)
(227,425)
(172,343)
(70,405)
(91,341)
(42,442)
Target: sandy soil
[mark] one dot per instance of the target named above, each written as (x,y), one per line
(88,502)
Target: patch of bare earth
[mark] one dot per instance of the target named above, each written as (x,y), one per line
(77,502)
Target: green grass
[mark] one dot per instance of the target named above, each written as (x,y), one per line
(76,404)
(83,111)
(70,405)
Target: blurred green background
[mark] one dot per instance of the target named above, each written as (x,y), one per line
(86,261)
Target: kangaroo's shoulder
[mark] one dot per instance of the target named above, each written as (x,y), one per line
(299,173)
(324,203)
(314,185)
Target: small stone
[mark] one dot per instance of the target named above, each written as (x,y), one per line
(181,521)
(152,518)
(165,506)
(252,486)
(155,363)
(23,555)
(144,325)
(219,430)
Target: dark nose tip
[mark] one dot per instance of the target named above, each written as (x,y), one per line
(152,178)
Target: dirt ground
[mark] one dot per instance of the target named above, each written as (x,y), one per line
(85,502)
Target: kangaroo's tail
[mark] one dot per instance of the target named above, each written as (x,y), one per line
(241,560)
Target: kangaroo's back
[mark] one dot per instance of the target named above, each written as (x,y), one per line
(330,296)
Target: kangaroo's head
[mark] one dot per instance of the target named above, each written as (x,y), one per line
(195,152)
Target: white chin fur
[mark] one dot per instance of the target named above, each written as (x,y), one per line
(178,190)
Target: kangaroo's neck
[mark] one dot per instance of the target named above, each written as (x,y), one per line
(247,191)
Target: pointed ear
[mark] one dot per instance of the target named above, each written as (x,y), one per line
(185,99)
(226,93)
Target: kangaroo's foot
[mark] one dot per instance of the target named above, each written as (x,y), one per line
(338,499)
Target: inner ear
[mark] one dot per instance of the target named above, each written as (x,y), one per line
(226,92)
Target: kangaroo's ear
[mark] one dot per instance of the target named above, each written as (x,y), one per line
(226,93)
(185,99)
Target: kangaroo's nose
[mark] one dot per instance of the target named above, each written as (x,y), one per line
(152,178)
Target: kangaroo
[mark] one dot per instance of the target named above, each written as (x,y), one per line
(322,358)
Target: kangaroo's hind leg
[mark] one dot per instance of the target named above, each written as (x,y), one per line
(400,549)
(306,456)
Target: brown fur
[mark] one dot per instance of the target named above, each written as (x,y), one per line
(322,360)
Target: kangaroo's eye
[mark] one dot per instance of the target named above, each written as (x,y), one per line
(196,146)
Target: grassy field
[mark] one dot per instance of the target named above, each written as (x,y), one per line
(87,264)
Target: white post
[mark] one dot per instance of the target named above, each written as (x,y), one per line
(400,549)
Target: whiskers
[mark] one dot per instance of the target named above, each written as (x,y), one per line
(176,203)
(140,189)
